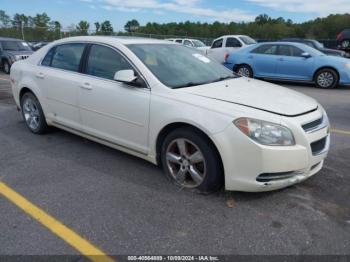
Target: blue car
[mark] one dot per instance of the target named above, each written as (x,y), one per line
(290,62)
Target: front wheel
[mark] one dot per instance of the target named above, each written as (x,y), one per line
(6,67)
(326,78)
(245,70)
(191,161)
(33,114)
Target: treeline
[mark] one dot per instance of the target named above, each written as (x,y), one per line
(264,27)
(42,27)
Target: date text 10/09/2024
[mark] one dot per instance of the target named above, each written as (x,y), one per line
(173,258)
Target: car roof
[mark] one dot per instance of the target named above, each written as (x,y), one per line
(124,40)
(9,39)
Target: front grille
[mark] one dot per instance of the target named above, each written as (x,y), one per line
(268,177)
(318,146)
(312,125)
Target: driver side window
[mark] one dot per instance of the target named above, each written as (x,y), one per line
(104,62)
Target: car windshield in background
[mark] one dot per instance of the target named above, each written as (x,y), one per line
(15,46)
(247,40)
(319,45)
(198,43)
(177,66)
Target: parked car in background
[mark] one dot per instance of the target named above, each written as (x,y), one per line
(37,45)
(224,45)
(343,40)
(292,62)
(175,107)
(190,42)
(12,50)
(317,45)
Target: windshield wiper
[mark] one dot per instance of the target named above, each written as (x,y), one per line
(189,84)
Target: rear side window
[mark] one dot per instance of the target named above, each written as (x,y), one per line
(104,62)
(178,41)
(47,60)
(187,43)
(68,56)
(232,42)
(217,43)
(288,50)
(265,50)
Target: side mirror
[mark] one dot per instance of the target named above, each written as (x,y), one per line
(306,55)
(125,76)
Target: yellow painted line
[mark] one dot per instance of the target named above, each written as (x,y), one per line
(4,79)
(338,131)
(62,231)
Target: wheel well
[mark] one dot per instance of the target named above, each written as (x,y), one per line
(23,91)
(326,67)
(170,128)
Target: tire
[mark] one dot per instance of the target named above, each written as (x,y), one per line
(326,79)
(33,114)
(6,67)
(245,70)
(196,166)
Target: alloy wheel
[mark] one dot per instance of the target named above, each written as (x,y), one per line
(186,163)
(325,79)
(244,71)
(31,113)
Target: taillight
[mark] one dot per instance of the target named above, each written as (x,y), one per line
(226,56)
(339,36)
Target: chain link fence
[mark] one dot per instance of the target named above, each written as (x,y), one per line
(48,34)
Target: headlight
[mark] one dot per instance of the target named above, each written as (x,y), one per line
(18,57)
(265,133)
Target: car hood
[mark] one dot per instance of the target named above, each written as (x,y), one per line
(257,94)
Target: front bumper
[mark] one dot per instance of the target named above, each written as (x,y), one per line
(246,162)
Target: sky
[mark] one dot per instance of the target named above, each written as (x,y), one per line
(162,11)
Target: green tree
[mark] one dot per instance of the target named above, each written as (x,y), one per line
(83,27)
(41,20)
(132,26)
(97,28)
(4,18)
(106,28)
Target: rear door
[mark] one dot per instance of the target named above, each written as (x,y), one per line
(216,51)
(292,65)
(60,79)
(263,60)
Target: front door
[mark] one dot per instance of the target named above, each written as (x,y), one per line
(113,111)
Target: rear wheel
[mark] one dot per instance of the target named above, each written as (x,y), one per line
(191,161)
(6,67)
(345,43)
(244,70)
(326,78)
(33,114)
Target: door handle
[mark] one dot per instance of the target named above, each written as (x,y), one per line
(40,75)
(86,86)
(281,59)
(250,57)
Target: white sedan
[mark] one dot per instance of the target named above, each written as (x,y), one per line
(174,107)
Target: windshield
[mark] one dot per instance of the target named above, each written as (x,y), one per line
(198,43)
(318,45)
(178,66)
(15,46)
(247,40)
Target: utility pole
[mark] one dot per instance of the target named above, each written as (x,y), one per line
(22,25)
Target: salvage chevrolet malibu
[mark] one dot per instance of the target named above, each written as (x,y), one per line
(171,105)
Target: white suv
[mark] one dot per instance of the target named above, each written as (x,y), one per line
(224,45)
